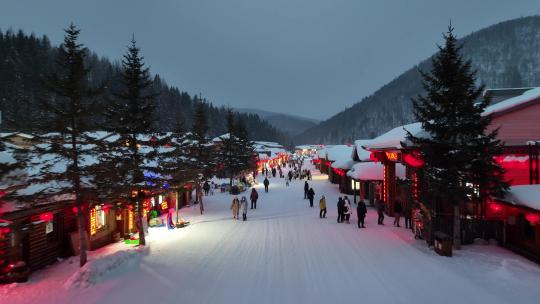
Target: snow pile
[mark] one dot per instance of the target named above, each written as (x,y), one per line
(524,195)
(370,171)
(95,270)
(528,96)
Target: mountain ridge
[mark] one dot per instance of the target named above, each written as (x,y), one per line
(506,54)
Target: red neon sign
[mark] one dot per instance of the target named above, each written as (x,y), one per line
(392,156)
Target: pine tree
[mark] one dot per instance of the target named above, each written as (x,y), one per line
(459,153)
(130,116)
(62,167)
(246,151)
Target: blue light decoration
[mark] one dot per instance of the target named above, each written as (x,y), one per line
(150,176)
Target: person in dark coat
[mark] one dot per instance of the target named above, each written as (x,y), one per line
(254,197)
(340,207)
(274,172)
(311,196)
(407,214)
(361,211)
(206,188)
(306,189)
(380,211)
(266,184)
(398,209)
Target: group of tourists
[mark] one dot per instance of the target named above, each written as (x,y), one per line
(242,204)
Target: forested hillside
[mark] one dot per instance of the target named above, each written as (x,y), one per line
(26,60)
(505,55)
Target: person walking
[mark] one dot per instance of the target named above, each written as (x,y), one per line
(407,214)
(347,209)
(380,211)
(235,207)
(206,188)
(311,196)
(346,199)
(254,197)
(244,207)
(266,184)
(306,189)
(361,211)
(340,206)
(398,209)
(322,207)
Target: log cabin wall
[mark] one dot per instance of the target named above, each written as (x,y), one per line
(518,126)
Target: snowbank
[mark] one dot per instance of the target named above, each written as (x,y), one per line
(95,270)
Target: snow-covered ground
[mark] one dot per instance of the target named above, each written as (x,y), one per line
(283,253)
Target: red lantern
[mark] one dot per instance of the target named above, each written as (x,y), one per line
(46,216)
(374,157)
(413,160)
(533,218)
(495,208)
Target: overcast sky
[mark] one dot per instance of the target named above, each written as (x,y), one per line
(304,57)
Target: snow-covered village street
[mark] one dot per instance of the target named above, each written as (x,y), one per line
(283,253)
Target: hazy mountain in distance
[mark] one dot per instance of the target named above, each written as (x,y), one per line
(290,124)
(504,55)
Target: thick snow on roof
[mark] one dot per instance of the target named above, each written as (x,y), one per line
(339,152)
(529,95)
(524,195)
(373,171)
(362,153)
(345,164)
(221,137)
(321,153)
(393,138)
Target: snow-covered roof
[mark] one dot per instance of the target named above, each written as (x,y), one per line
(321,153)
(373,171)
(339,152)
(524,195)
(344,164)
(527,96)
(394,138)
(361,153)
(221,137)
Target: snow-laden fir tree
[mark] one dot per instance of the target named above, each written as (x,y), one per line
(62,167)
(235,152)
(131,150)
(177,168)
(459,151)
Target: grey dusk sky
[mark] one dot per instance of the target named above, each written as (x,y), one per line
(305,57)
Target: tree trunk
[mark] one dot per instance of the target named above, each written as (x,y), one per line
(142,240)
(82,235)
(457,228)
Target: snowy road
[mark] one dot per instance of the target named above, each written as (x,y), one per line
(285,254)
